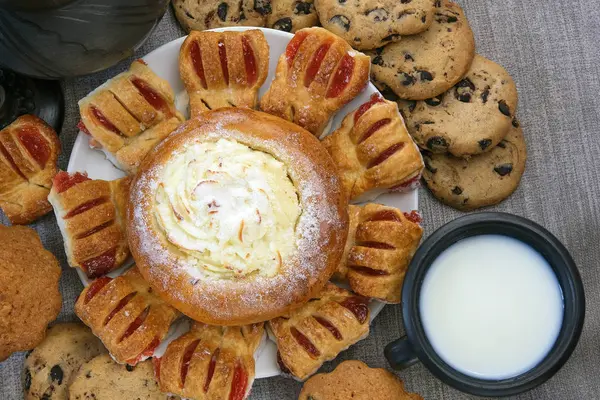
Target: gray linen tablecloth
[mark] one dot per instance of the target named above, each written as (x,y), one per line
(551,48)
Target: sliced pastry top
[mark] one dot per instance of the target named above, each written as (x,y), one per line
(129,114)
(223,69)
(91,216)
(319,330)
(210,362)
(316,76)
(29,149)
(125,313)
(381,243)
(373,151)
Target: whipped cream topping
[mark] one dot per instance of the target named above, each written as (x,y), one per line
(229,209)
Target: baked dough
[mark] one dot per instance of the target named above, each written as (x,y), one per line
(91,217)
(210,362)
(381,243)
(223,69)
(126,315)
(129,114)
(318,331)
(185,263)
(29,149)
(316,76)
(374,152)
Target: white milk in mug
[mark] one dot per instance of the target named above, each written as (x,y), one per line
(491,306)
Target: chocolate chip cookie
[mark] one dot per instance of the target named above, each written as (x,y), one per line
(292,15)
(367,24)
(50,367)
(355,380)
(422,66)
(470,118)
(102,378)
(482,180)
(207,14)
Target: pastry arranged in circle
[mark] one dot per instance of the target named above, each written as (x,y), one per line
(126,314)
(194,15)
(29,149)
(91,217)
(381,243)
(471,118)
(51,366)
(316,76)
(292,15)
(210,362)
(482,180)
(102,378)
(373,151)
(422,66)
(128,115)
(318,331)
(367,24)
(29,295)
(237,218)
(355,380)
(223,69)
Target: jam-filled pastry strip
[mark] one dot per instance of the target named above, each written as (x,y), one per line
(128,115)
(29,149)
(223,69)
(126,315)
(381,243)
(316,76)
(374,152)
(210,362)
(91,217)
(319,330)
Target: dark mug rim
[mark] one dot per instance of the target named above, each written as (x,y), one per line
(478,224)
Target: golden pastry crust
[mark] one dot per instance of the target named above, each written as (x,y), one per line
(355,380)
(382,241)
(29,149)
(320,231)
(128,115)
(223,69)
(29,295)
(210,362)
(319,330)
(91,215)
(373,151)
(316,76)
(126,315)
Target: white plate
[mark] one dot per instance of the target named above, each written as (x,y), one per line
(164,62)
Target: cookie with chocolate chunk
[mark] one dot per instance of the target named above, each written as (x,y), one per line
(422,66)
(292,15)
(355,380)
(207,14)
(480,181)
(470,118)
(367,25)
(50,367)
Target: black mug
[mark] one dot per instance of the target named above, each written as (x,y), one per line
(415,346)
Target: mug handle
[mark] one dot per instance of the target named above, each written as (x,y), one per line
(400,354)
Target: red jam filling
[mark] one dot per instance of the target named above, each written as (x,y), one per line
(305,343)
(375,98)
(386,215)
(85,206)
(315,63)
(293,46)
(151,95)
(156,365)
(81,126)
(101,264)
(35,144)
(358,306)
(329,326)
(369,271)
(102,120)
(135,324)
(406,184)
(95,287)
(387,153)
(239,382)
(414,217)
(249,61)
(196,56)
(64,181)
(374,128)
(124,301)
(342,77)
(223,59)
(377,245)
(95,229)
(148,351)
(187,357)
(11,161)
(211,369)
